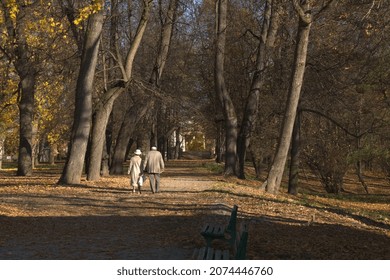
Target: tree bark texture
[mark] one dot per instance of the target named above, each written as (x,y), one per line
(105,106)
(26,117)
(222,92)
(99,133)
(294,162)
(19,52)
(165,42)
(132,117)
(268,33)
(178,143)
(159,65)
(83,111)
(275,175)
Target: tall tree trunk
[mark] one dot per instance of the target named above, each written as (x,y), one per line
(132,117)
(159,65)
(2,140)
(359,168)
(98,134)
(153,135)
(83,111)
(26,116)
(25,66)
(256,161)
(106,157)
(178,143)
(137,113)
(221,90)
(270,25)
(275,175)
(165,42)
(219,142)
(294,162)
(106,104)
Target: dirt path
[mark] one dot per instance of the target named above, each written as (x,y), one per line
(104,220)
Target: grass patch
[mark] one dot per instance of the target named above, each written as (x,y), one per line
(214,167)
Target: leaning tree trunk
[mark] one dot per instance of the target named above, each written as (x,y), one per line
(159,65)
(83,111)
(136,113)
(275,175)
(132,117)
(105,107)
(226,102)
(270,25)
(99,134)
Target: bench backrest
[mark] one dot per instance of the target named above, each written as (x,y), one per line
(239,247)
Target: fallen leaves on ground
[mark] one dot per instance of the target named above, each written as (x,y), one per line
(104,220)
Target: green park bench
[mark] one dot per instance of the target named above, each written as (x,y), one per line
(237,240)
(213,231)
(236,252)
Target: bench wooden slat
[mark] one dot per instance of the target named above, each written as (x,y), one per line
(213,230)
(225,255)
(203,251)
(218,255)
(210,254)
(239,248)
(216,231)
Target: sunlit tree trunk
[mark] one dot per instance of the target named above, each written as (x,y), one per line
(83,109)
(99,133)
(275,175)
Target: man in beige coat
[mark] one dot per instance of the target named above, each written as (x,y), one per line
(154,165)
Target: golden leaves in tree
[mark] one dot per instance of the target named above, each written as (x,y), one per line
(88,10)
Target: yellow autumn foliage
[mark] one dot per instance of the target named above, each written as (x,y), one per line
(48,110)
(46,37)
(85,12)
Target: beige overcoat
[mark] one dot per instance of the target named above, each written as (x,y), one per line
(135,170)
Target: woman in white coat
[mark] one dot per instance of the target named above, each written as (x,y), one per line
(135,170)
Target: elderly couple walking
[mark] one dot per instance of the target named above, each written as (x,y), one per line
(153,165)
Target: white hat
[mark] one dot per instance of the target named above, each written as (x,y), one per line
(154,148)
(138,152)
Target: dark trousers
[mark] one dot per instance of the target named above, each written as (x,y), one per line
(154,181)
